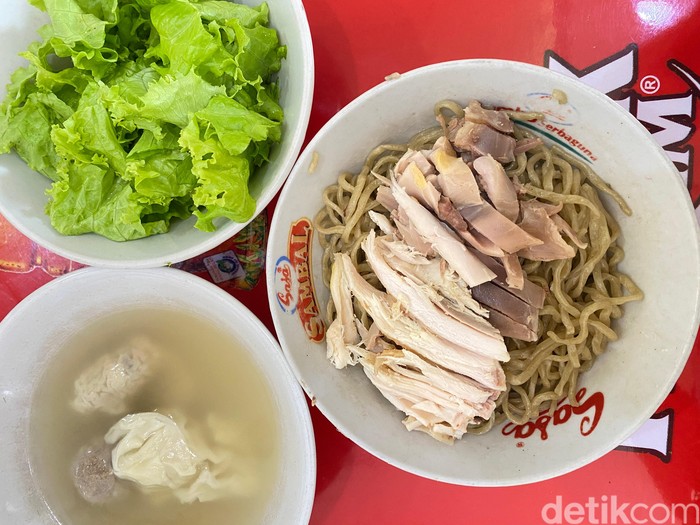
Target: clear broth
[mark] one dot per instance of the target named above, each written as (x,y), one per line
(202,371)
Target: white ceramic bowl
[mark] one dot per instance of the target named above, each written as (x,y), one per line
(22,198)
(624,387)
(61,307)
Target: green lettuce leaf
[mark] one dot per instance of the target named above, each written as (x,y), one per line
(93,198)
(185,44)
(223,11)
(160,170)
(30,132)
(222,140)
(170,99)
(258,53)
(142,112)
(73,27)
(89,133)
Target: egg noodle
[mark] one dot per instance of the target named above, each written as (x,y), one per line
(585,293)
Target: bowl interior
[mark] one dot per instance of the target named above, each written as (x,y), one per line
(22,198)
(624,387)
(63,306)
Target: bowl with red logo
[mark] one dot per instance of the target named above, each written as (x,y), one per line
(625,385)
(148,215)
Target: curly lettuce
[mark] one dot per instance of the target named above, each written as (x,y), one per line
(142,112)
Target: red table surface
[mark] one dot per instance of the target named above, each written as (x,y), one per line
(643,53)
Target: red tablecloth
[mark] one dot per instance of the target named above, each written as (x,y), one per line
(642,53)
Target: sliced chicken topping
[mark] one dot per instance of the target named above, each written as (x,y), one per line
(436,274)
(392,321)
(453,285)
(442,433)
(510,328)
(497,185)
(537,222)
(403,251)
(480,139)
(386,199)
(479,241)
(455,179)
(408,233)
(372,339)
(447,213)
(526,144)
(453,385)
(551,209)
(515,276)
(417,301)
(415,157)
(531,293)
(504,233)
(443,241)
(434,400)
(442,144)
(412,179)
(495,298)
(565,228)
(450,215)
(383,222)
(342,331)
(498,120)
(433,179)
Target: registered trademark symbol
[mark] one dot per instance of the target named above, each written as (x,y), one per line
(649,84)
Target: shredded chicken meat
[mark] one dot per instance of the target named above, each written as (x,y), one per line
(447,258)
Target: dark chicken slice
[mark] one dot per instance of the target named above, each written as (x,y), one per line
(496,298)
(510,328)
(531,293)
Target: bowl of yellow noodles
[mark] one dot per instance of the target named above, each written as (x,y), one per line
(469,275)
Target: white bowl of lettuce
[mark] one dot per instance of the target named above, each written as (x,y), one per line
(137,133)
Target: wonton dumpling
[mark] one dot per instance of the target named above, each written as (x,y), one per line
(107,384)
(153,451)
